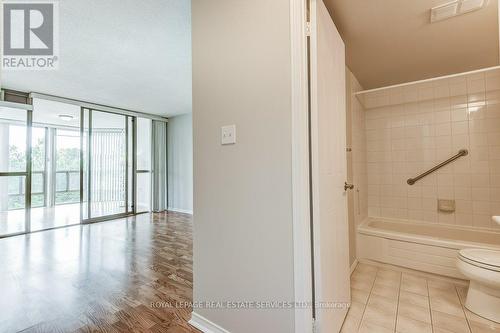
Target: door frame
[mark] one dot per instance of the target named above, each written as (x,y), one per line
(28,108)
(300,105)
(303,26)
(130,155)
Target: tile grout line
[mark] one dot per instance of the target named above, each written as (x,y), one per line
(367,300)
(397,304)
(429,301)
(463,308)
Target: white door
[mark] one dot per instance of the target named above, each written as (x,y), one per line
(329,171)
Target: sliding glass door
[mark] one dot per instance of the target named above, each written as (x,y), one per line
(144,171)
(55,165)
(62,164)
(107,170)
(14,170)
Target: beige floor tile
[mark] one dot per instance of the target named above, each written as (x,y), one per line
(360,296)
(413,277)
(462,293)
(450,294)
(384,303)
(356,309)
(388,281)
(388,278)
(381,311)
(415,312)
(414,299)
(380,318)
(366,275)
(445,306)
(351,324)
(366,268)
(408,325)
(386,300)
(440,285)
(388,273)
(362,284)
(440,330)
(353,318)
(446,301)
(451,323)
(362,274)
(414,284)
(364,278)
(368,327)
(384,290)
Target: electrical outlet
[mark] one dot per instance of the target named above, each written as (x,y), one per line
(228,135)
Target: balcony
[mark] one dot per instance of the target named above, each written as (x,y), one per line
(67,189)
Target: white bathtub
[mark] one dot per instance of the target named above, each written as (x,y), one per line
(426,247)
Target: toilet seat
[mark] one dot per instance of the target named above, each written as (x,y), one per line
(487,259)
(482,268)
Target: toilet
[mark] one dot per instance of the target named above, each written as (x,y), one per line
(482,268)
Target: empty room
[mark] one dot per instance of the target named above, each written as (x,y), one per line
(95,166)
(235,166)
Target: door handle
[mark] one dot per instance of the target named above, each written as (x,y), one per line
(348,186)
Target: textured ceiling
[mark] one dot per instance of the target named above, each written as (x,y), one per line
(123,53)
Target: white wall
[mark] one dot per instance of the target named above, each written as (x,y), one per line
(180,163)
(243,241)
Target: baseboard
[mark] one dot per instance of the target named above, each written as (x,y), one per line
(354,264)
(205,325)
(178,210)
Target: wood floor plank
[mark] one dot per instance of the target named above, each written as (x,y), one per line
(116,276)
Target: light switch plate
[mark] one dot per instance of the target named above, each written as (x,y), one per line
(228,135)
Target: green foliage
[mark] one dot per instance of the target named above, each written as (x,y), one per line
(38,155)
(17,158)
(68,159)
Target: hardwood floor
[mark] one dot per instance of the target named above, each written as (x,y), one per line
(117,276)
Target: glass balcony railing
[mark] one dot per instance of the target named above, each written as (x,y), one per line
(67,189)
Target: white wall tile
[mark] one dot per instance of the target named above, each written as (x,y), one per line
(464,219)
(426,124)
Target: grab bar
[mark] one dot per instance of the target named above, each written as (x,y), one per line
(462,152)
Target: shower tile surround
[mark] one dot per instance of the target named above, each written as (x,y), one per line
(360,176)
(412,128)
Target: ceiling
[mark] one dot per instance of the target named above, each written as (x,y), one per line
(48,114)
(122,53)
(392,41)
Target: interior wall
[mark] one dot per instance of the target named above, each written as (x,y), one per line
(413,128)
(243,240)
(180,163)
(357,163)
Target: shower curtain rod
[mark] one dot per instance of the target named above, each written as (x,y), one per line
(427,80)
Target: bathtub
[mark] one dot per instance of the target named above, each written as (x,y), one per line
(426,247)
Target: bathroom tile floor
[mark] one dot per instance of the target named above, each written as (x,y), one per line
(386,300)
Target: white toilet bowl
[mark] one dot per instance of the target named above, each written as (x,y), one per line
(482,268)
